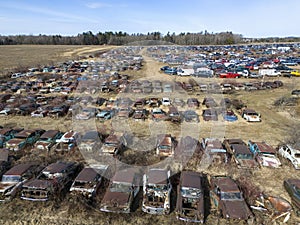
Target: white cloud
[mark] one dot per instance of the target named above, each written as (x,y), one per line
(49,12)
(97,5)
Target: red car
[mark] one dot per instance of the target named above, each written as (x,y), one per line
(230,75)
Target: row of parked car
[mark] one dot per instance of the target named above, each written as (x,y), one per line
(167,109)
(250,155)
(195,192)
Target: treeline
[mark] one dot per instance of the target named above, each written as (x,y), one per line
(123,38)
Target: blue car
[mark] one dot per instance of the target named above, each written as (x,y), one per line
(105,114)
(171,71)
(230,116)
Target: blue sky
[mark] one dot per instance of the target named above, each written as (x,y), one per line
(255,18)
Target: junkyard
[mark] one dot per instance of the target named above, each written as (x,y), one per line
(154,134)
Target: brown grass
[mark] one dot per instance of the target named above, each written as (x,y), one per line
(22,56)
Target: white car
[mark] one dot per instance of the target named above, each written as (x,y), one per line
(251,116)
(166,101)
(293,155)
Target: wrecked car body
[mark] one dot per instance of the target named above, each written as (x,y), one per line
(14,178)
(89,180)
(264,154)
(165,145)
(114,144)
(50,182)
(240,153)
(228,200)
(215,151)
(122,191)
(67,142)
(190,198)
(90,141)
(274,207)
(157,191)
(22,139)
(47,140)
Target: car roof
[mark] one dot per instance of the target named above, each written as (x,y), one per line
(191,179)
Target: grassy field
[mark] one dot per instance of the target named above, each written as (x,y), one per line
(273,129)
(20,56)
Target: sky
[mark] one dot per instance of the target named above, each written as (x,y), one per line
(251,18)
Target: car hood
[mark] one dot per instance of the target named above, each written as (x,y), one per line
(247,163)
(236,210)
(15,141)
(270,161)
(5,186)
(116,198)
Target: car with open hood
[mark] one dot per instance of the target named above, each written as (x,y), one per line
(157,191)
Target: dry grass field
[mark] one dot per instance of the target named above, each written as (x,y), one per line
(274,129)
(20,56)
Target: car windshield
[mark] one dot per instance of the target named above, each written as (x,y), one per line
(120,187)
(297,155)
(243,156)
(157,187)
(10,178)
(190,192)
(164,147)
(111,144)
(231,196)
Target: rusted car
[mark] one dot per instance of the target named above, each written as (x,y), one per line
(14,178)
(122,191)
(47,140)
(292,186)
(174,115)
(193,102)
(273,206)
(215,151)
(190,198)
(157,114)
(165,145)
(191,116)
(153,102)
(210,115)
(240,153)
(90,141)
(264,154)
(8,133)
(67,142)
(186,148)
(23,138)
(209,102)
(114,144)
(52,180)
(157,191)
(124,112)
(140,114)
(89,180)
(228,200)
